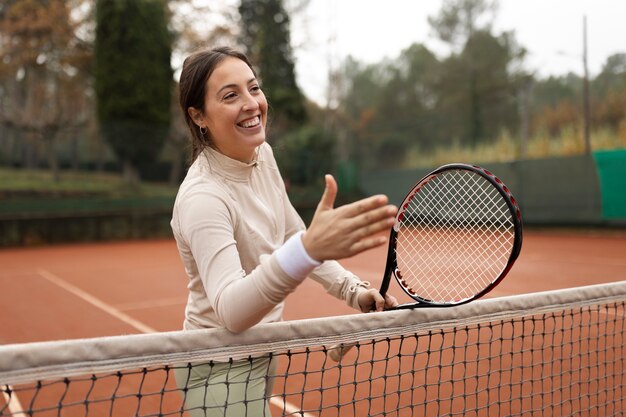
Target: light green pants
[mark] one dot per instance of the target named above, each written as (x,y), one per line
(234,389)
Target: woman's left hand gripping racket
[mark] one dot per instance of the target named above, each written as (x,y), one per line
(456,236)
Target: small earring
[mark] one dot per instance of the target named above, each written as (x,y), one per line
(204,130)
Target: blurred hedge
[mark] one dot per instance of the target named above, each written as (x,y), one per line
(80,207)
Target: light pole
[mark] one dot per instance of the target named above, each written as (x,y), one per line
(586,117)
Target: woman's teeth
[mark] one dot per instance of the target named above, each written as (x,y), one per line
(250,122)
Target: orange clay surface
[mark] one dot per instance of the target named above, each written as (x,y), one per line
(91,290)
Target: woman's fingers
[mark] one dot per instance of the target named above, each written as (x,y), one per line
(385,216)
(370,224)
(369,218)
(390,301)
(366,244)
(363,206)
(372,300)
(379,302)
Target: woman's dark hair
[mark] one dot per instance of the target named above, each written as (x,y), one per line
(197,69)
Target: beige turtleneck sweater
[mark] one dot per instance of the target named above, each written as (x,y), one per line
(229,220)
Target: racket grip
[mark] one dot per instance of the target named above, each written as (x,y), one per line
(337,352)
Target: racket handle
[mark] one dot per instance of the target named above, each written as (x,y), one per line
(337,352)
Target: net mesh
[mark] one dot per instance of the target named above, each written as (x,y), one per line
(455,237)
(555,353)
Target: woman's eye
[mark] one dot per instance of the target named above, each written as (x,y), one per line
(230,96)
(255,88)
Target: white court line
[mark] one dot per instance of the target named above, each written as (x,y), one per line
(15,407)
(136,324)
(96,302)
(290,409)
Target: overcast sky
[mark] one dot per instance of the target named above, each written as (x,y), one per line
(551,30)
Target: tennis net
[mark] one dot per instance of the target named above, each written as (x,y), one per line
(552,353)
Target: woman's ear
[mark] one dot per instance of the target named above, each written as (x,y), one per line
(196,115)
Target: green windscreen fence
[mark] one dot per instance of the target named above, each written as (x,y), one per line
(575,190)
(611,167)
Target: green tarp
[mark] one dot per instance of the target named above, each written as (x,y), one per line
(611,166)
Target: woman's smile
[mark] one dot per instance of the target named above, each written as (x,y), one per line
(250,123)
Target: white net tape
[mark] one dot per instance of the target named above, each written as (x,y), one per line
(557,353)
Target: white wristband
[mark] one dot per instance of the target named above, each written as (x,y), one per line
(294,260)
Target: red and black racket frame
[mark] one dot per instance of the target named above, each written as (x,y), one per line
(391,267)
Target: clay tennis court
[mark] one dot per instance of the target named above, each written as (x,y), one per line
(92,290)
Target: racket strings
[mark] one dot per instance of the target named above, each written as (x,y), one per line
(455,237)
(454,243)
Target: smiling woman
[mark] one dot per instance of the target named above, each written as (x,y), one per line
(235,110)
(243,245)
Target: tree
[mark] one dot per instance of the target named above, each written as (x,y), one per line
(133,79)
(409,100)
(609,91)
(556,104)
(478,89)
(479,80)
(612,77)
(552,90)
(306,155)
(266,36)
(193,25)
(458,20)
(389,108)
(358,109)
(196,24)
(44,76)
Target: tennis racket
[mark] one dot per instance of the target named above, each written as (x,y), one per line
(457,234)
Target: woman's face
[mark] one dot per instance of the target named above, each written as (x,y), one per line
(235,110)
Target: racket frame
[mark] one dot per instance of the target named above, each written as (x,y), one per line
(391,267)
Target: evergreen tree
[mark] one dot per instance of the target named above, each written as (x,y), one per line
(479,82)
(133,79)
(266,37)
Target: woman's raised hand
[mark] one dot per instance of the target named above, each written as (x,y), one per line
(337,233)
